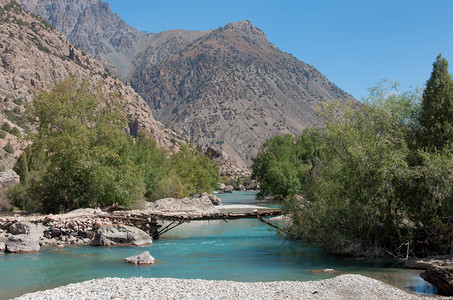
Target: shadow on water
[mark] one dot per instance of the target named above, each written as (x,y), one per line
(240,250)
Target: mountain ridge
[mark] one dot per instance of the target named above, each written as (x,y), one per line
(229,87)
(34,56)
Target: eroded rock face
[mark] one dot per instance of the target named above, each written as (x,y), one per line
(142,259)
(22,243)
(120,235)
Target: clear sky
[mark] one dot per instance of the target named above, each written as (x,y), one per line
(354,43)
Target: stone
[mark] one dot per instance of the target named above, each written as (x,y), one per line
(120,235)
(19,228)
(228,189)
(214,199)
(441,278)
(8,178)
(22,244)
(252,185)
(2,246)
(143,258)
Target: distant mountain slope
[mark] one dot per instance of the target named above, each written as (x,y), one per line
(33,55)
(235,88)
(228,87)
(92,26)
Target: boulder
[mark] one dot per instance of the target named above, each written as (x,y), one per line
(240,188)
(441,278)
(19,228)
(8,178)
(22,244)
(228,189)
(142,259)
(252,185)
(2,246)
(120,235)
(214,199)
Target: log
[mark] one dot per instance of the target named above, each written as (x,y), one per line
(441,278)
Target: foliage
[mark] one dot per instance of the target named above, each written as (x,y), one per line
(6,127)
(153,162)
(2,134)
(368,188)
(86,153)
(281,165)
(81,156)
(15,131)
(9,148)
(436,117)
(196,173)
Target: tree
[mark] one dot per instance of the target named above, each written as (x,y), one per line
(281,165)
(367,195)
(81,133)
(193,171)
(436,115)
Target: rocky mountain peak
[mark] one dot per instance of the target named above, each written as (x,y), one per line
(245,26)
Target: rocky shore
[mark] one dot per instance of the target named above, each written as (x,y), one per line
(340,287)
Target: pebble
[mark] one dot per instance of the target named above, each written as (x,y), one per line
(341,287)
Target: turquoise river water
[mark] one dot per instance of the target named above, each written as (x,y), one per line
(240,250)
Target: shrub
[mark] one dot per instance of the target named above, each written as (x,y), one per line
(15,131)
(6,127)
(9,148)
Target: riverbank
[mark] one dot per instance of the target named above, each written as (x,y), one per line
(340,287)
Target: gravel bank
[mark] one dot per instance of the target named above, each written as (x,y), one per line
(341,287)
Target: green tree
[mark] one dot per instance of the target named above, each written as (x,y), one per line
(367,195)
(153,162)
(281,165)
(436,115)
(80,131)
(195,172)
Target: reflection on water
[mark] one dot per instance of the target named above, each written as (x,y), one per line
(241,250)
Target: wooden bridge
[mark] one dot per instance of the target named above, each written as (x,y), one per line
(147,220)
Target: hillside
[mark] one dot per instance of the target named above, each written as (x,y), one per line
(234,88)
(228,87)
(33,56)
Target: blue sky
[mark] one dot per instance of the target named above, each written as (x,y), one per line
(354,43)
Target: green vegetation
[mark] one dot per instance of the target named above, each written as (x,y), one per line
(376,180)
(9,148)
(81,155)
(2,134)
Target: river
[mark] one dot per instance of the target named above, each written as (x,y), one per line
(240,250)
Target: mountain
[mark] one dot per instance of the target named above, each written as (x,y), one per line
(92,26)
(33,55)
(234,88)
(227,87)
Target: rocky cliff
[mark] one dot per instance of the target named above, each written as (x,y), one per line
(229,87)
(33,56)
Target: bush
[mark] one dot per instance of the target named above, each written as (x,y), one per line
(15,131)
(2,134)
(6,127)
(9,148)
